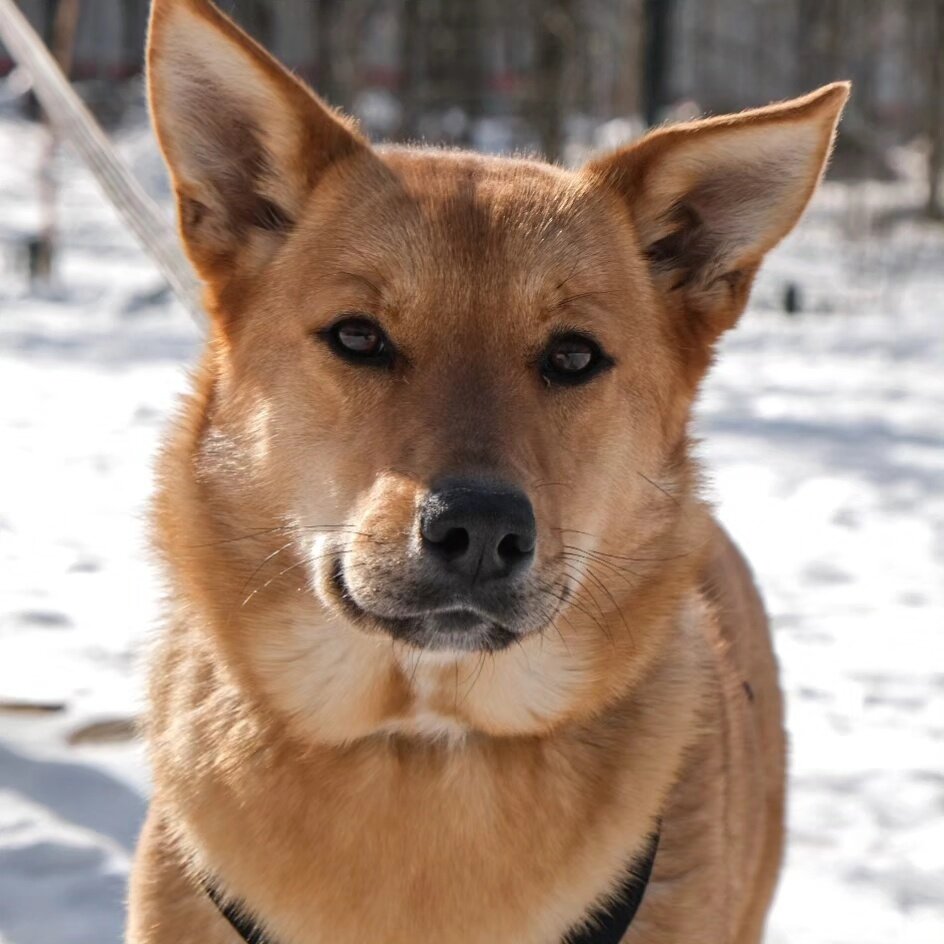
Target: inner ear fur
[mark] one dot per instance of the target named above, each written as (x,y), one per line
(709,198)
(245,141)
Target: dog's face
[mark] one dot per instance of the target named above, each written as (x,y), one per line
(456,388)
(450,375)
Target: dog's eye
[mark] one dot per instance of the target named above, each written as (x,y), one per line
(573,359)
(359,340)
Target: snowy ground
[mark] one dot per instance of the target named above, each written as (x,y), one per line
(824,436)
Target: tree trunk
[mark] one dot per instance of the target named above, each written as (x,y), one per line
(554,33)
(326,78)
(657,23)
(627,99)
(820,28)
(258,22)
(410,103)
(934,107)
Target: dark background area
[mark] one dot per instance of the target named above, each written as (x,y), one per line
(562,77)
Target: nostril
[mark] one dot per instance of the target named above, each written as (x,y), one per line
(454,543)
(513,547)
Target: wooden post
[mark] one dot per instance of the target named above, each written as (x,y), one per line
(657,19)
(934,108)
(553,41)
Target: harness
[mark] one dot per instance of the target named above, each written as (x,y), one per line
(603,926)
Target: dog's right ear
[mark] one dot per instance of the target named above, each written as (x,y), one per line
(245,141)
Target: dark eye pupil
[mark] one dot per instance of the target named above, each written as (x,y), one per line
(571,358)
(360,338)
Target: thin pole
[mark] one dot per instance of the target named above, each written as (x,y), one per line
(76,124)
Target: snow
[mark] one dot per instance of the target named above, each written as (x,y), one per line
(823,436)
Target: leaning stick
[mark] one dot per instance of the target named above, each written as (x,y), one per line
(76,124)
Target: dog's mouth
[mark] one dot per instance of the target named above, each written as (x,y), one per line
(460,629)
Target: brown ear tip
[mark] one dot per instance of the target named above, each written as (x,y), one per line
(163,8)
(836,93)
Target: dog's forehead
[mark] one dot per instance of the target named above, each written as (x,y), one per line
(479,206)
(491,183)
(474,229)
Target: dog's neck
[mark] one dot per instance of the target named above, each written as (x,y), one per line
(244,781)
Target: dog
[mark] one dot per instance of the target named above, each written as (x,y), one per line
(454,649)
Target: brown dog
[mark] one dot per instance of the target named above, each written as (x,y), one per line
(451,635)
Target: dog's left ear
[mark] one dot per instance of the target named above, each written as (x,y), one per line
(710,198)
(245,141)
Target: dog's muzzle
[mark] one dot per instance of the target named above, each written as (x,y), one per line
(464,584)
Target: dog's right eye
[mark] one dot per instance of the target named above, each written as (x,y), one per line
(359,340)
(572,359)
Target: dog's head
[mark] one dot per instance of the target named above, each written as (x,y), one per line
(451,391)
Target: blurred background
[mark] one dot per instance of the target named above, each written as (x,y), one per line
(822,426)
(558,76)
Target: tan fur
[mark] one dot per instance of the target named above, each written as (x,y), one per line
(350,788)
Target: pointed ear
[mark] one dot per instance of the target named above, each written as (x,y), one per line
(709,198)
(245,141)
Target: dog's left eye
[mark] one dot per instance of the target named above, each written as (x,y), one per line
(360,340)
(573,359)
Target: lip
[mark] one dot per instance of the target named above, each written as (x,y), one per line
(454,629)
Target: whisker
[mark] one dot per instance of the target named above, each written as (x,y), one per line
(307,559)
(560,614)
(570,601)
(634,560)
(417,656)
(575,553)
(577,574)
(627,580)
(478,674)
(593,575)
(657,486)
(284,528)
(550,619)
(265,560)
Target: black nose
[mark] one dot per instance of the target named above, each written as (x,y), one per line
(478,531)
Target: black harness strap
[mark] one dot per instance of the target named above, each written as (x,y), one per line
(608,926)
(603,926)
(244,926)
